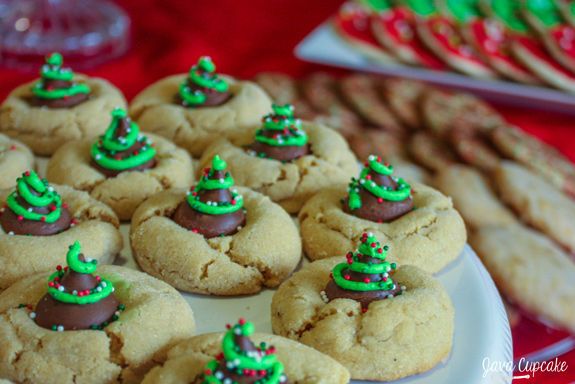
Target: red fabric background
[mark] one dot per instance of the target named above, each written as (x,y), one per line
(244,38)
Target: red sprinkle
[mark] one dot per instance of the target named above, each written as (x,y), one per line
(380,250)
(373,245)
(379,200)
(20,218)
(13,147)
(347,277)
(366,280)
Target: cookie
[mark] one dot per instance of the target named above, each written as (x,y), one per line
(474,147)
(290,184)
(261,254)
(281,88)
(44,115)
(15,159)
(373,141)
(157,110)
(513,252)
(430,152)
(89,221)
(361,93)
(127,181)
(535,154)
(403,97)
(473,197)
(537,202)
(394,338)
(187,361)
(429,237)
(123,351)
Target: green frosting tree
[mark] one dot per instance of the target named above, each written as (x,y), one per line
(36,193)
(202,76)
(281,129)
(375,165)
(51,73)
(110,151)
(215,178)
(242,358)
(356,262)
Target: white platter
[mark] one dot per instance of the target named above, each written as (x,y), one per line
(481,327)
(323,46)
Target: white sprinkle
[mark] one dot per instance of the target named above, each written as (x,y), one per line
(61,288)
(188,193)
(30,209)
(388,269)
(32,315)
(98,157)
(370,234)
(74,292)
(219,375)
(50,189)
(99,289)
(222,181)
(371,157)
(238,331)
(60,328)
(230,365)
(88,259)
(403,287)
(104,284)
(11,233)
(390,296)
(227,380)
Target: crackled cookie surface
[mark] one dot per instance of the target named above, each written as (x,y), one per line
(290,183)
(123,167)
(193,110)
(123,351)
(394,338)
(15,159)
(430,236)
(89,221)
(260,254)
(61,106)
(187,361)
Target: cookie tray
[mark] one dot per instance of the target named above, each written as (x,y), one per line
(481,327)
(324,46)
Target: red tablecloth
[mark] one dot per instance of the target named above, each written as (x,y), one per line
(246,37)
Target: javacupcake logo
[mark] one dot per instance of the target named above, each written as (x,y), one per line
(523,369)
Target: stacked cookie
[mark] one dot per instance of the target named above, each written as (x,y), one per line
(530,42)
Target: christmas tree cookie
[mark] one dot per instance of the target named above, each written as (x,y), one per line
(365,276)
(204,87)
(376,195)
(58,107)
(34,208)
(76,298)
(213,207)
(281,137)
(198,107)
(122,147)
(242,362)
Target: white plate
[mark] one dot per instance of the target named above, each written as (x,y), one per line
(324,46)
(481,326)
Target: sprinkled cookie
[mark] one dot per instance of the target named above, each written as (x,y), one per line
(281,88)
(195,109)
(431,152)
(15,159)
(288,160)
(108,326)
(417,221)
(394,321)
(242,356)
(216,239)
(123,167)
(40,220)
(403,97)
(59,107)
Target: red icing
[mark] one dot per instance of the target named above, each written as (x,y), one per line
(537,50)
(399,26)
(564,37)
(354,21)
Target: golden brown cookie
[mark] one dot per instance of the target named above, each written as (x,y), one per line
(45,129)
(431,152)
(15,159)
(473,197)
(156,110)
(290,184)
(96,227)
(521,261)
(403,97)
(394,338)
(261,254)
(281,88)
(187,360)
(123,352)
(429,237)
(71,165)
(380,143)
(537,202)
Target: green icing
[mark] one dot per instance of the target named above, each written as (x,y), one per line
(52,70)
(37,193)
(240,362)
(203,75)
(545,11)
(374,163)
(104,288)
(209,182)
(287,129)
(370,247)
(104,151)
(463,10)
(507,11)
(421,7)
(376,5)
